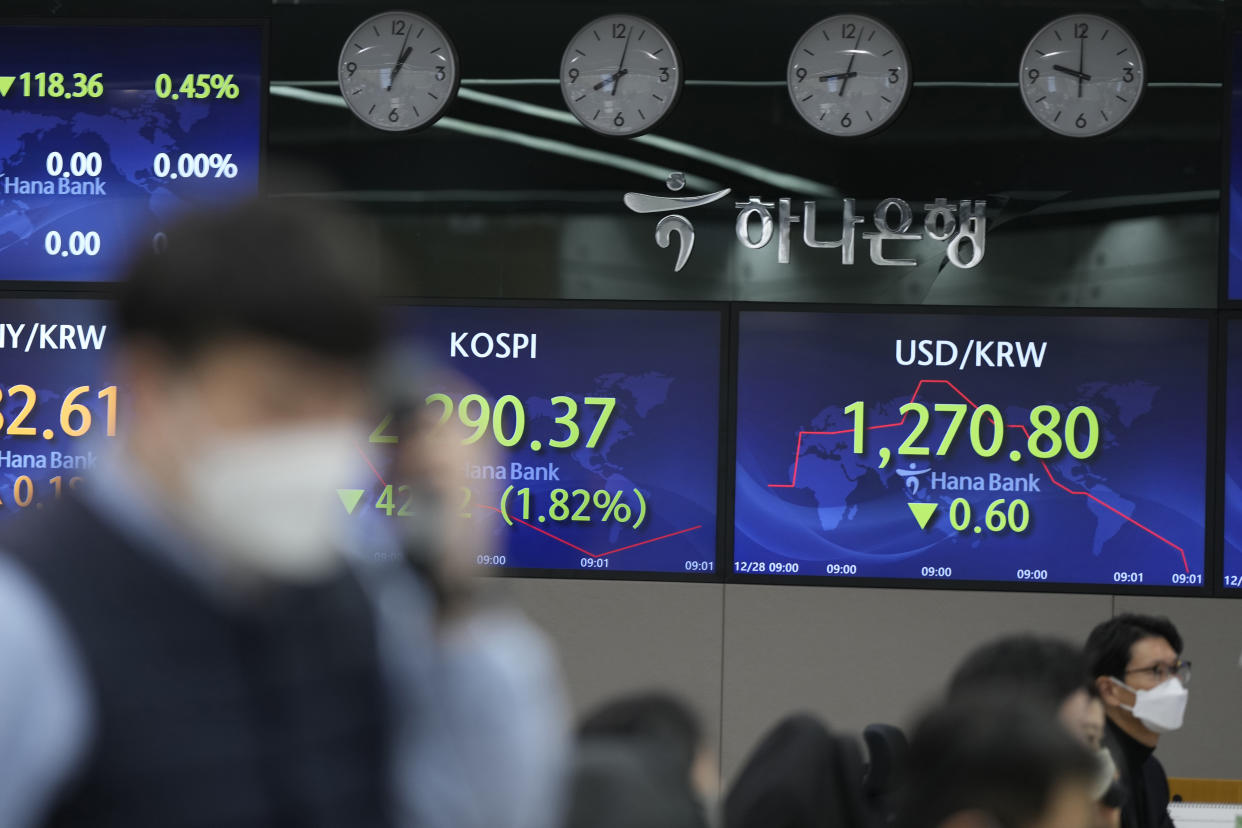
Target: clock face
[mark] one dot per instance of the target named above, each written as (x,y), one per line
(398,71)
(1082,75)
(848,75)
(620,75)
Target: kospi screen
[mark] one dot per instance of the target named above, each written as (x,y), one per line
(939,447)
(58,403)
(590,436)
(108,130)
(1232,573)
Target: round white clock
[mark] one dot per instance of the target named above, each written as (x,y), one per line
(1082,75)
(849,75)
(620,75)
(398,71)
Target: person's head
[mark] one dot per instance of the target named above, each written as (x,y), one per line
(1050,672)
(1138,670)
(997,761)
(664,726)
(245,356)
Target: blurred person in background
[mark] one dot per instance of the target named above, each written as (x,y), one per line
(641,762)
(1053,675)
(1136,663)
(800,775)
(997,761)
(487,741)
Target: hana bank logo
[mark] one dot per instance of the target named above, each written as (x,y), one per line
(962,226)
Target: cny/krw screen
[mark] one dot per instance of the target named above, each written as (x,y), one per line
(589,437)
(942,447)
(57,403)
(1235,173)
(108,131)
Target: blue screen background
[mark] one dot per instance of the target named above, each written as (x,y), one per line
(663,368)
(128,127)
(1146,379)
(1233,456)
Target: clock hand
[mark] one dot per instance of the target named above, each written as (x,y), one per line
(1082,45)
(1082,76)
(850,67)
(401,56)
(621,63)
(845,75)
(610,79)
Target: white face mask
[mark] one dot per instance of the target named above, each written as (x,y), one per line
(1105,773)
(266,501)
(1160,709)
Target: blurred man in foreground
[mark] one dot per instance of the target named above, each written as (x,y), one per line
(990,760)
(184,642)
(1136,661)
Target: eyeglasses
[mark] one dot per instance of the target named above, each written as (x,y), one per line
(1163,672)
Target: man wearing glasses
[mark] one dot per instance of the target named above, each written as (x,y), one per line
(1137,665)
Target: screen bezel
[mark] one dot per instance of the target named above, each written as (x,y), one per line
(75,287)
(724,456)
(1211,512)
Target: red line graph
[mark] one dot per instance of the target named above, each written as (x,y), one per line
(584,551)
(973,404)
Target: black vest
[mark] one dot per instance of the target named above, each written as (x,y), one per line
(272,716)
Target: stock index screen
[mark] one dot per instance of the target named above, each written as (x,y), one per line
(936,447)
(589,437)
(108,130)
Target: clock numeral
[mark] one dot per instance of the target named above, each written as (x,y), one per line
(440,73)
(573,75)
(664,76)
(894,75)
(1081,122)
(351,67)
(1080,31)
(847,121)
(394,116)
(398,27)
(618,31)
(618,121)
(1127,74)
(1033,74)
(849,30)
(800,73)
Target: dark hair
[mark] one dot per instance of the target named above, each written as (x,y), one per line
(293,273)
(1046,670)
(654,720)
(991,754)
(1109,645)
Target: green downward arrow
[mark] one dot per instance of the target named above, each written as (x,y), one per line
(923,512)
(6,83)
(350,497)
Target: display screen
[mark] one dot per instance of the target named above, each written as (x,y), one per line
(985,448)
(1234,167)
(57,403)
(1232,571)
(108,131)
(592,435)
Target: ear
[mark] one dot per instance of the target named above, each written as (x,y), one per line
(1111,693)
